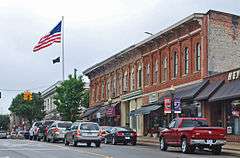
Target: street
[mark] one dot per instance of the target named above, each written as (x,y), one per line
(10,148)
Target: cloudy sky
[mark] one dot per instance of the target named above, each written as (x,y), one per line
(94,30)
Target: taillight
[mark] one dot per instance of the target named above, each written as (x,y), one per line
(120,134)
(78,132)
(134,134)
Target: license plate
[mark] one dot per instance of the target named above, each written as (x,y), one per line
(209,141)
(127,137)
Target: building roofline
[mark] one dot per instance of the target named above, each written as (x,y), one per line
(188,18)
(49,89)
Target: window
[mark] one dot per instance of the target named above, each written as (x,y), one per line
(97,92)
(164,69)
(175,65)
(114,86)
(156,72)
(139,76)
(147,74)
(198,57)
(194,123)
(108,88)
(119,83)
(132,78)
(125,81)
(102,90)
(93,94)
(186,61)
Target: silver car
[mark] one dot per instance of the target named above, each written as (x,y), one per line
(3,134)
(57,131)
(83,132)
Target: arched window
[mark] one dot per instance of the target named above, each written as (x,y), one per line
(156,72)
(132,78)
(147,74)
(186,61)
(139,75)
(164,78)
(108,89)
(198,57)
(103,89)
(125,82)
(175,65)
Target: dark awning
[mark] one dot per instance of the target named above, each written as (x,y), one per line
(186,92)
(90,111)
(144,110)
(227,91)
(209,90)
(190,91)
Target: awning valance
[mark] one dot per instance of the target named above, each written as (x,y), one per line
(144,110)
(229,90)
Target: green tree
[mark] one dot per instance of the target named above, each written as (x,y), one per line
(69,97)
(31,110)
(4,122)
(85,101)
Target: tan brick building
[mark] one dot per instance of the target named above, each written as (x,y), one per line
(134,81)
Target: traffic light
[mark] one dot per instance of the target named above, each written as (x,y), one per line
(30,96)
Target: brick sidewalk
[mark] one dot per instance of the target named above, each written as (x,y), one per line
(233,147)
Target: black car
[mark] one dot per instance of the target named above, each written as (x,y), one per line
(121,135)
(43,130)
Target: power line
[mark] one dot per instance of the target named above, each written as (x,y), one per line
(20,90)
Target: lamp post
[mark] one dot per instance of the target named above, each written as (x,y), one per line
(172,91)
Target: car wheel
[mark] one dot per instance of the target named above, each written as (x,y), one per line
(216,150)
(186,148)
(114,141)
(66,142)
(30,137)
(105,141)
(98,144)
(163,145)
(133,143)
(88,144)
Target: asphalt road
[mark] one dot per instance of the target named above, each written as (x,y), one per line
(10,148)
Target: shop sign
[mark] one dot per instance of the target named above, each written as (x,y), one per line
(153,98)
(110,112)
(234,75)
(167,105)
(177,105)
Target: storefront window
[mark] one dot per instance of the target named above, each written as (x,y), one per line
(233,118)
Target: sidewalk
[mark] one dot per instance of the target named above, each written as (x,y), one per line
(231,147)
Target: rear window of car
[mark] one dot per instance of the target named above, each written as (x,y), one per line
(89,126)
(121,129)
(194,123)
(64,125)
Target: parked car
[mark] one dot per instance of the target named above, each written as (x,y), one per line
(26,134)
(43,130)
(3,134)
(57,131)
(104,130)
(33,132)
(121,135)
(189,133)
(83,132)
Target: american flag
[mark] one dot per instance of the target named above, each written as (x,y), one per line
(53,36)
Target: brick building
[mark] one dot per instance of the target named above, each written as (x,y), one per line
(128,88)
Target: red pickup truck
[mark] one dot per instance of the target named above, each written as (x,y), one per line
(189,133)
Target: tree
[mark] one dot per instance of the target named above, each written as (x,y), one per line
(85,101)
(4,122)
(31,110)
(69,97)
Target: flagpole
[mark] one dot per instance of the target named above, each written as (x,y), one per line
(63,77)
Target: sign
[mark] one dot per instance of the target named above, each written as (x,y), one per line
(167,105)
(177,106)
(110,112)
(98,115)
(234,75)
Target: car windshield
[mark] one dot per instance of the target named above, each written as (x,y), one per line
(37,124)
(47,123)
(121,129)
(194,123)
(64,125)
(89,126)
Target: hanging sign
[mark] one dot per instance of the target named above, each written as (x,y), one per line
(177,105)
(167,105)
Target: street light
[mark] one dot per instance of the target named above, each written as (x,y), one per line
(149,33)
(172,91)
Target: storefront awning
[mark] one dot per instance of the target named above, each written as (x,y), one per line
(186,92)
(209,90)
(90,111)
(144,110)
(227,91)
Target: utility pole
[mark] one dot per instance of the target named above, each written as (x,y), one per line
(75,73)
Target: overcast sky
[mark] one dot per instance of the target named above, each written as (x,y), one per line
(94,30)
